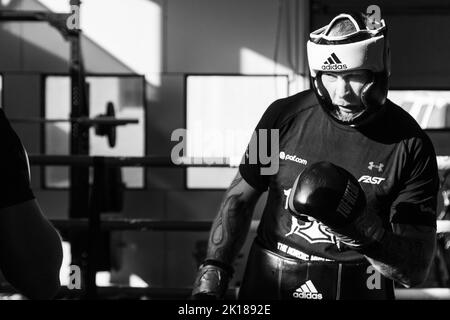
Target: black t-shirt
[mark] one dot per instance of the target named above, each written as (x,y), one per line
(14,167)
(392,158)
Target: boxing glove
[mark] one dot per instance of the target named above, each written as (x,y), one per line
(332,195)
(212,281)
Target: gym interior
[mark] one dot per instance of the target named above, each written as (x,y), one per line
(102,94)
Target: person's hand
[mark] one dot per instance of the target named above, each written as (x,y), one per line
(212,281)
(331,195)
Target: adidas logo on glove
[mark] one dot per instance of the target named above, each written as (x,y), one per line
(307,291)
(333,63)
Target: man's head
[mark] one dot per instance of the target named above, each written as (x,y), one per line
(349,66)
(344,90)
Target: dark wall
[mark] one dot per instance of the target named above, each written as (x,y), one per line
(418,43)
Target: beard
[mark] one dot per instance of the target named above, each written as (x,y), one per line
(347,116)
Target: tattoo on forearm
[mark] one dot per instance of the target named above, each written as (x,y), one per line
(231,225)
(235,182)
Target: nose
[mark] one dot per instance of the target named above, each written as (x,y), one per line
(342,87)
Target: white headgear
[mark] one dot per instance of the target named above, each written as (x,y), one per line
(363,49)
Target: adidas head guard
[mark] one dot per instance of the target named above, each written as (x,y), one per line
(363,49)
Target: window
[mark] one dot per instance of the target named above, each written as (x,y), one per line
(430,108)
(127,95)
(221,114)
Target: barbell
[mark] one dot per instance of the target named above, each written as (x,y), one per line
(104,124)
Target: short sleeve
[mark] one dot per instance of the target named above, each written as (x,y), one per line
(258,161)
(417,199)
(15,185)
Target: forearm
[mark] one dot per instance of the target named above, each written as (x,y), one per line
(227,236)
(403,259)
(30,251)
(231,225)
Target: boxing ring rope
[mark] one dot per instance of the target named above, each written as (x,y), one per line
(422,294)
(142,225)
(148,161)
(154,161)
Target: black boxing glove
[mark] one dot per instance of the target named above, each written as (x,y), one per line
(332,195)
(212,280)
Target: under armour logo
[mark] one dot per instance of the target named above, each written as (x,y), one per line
(372,165)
